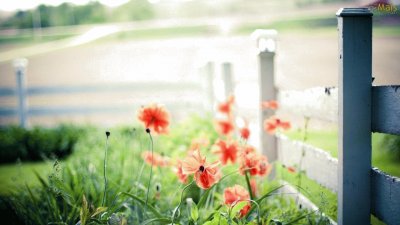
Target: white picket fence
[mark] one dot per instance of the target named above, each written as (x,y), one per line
(359,109)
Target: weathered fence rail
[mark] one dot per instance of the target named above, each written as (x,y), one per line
(359,109)
(316,163)
(180,96)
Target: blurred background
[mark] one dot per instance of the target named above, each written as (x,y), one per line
(98,61)
(80,62)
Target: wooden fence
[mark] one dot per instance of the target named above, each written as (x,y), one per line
(359,109)
(184,96)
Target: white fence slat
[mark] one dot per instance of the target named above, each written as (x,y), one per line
(317,163)
(319,103)
(386,109)
(385,197)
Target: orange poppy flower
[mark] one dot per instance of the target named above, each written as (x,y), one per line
(179,172)
(235,194)
(155,118)
(291,169)
(264,168)
(244,133)
(270,105)
(205,174)
(255,164)
(227,150)
(226,107)
(224,127)
(197,143)
(248,149)
(155,159)
(273,123)
(249,163)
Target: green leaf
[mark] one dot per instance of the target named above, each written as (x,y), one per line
(84,214)
(204,197)
(99,210)
(159,220)
(194,212)
(152,209)
(236,209)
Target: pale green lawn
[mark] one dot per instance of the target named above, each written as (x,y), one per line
(16,175)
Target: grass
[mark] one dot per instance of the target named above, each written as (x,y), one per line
(82,173)
(323,198)
(30,39)
(161,33)
(73,189)
(19,174)
(320,25)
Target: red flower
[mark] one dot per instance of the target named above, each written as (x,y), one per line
(179,172)
(155,159)
(273,123)
(249,163)
(269,104)
(235,194)
(155,118)
(264,168)
(244,132)
(227,149)
(255,164)
(248,149)
(226,107)
(205,174)
(291,169)
(224,127)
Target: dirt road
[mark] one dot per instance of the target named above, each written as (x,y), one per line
(302,61)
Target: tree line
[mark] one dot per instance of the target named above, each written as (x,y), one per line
(69,14)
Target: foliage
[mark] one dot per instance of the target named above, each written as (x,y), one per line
(392,144)
(72,194)
(69,14)
(38,143)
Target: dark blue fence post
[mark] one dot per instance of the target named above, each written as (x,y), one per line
(355,59)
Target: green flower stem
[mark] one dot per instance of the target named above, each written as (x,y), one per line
(105,170)
(249,185)
(258,211)
(180,202)
(151,170)
(305,136)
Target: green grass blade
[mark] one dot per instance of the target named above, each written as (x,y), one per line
(151,208)
(159,220)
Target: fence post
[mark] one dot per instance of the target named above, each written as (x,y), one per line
(227,77)
(20,68)
(355,59)
(208,71)
(266,55)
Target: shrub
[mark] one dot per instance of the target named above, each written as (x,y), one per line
(392,144)
(38,143)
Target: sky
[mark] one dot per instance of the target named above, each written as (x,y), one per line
(12,5)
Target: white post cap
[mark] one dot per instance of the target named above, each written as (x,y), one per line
(265,39)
